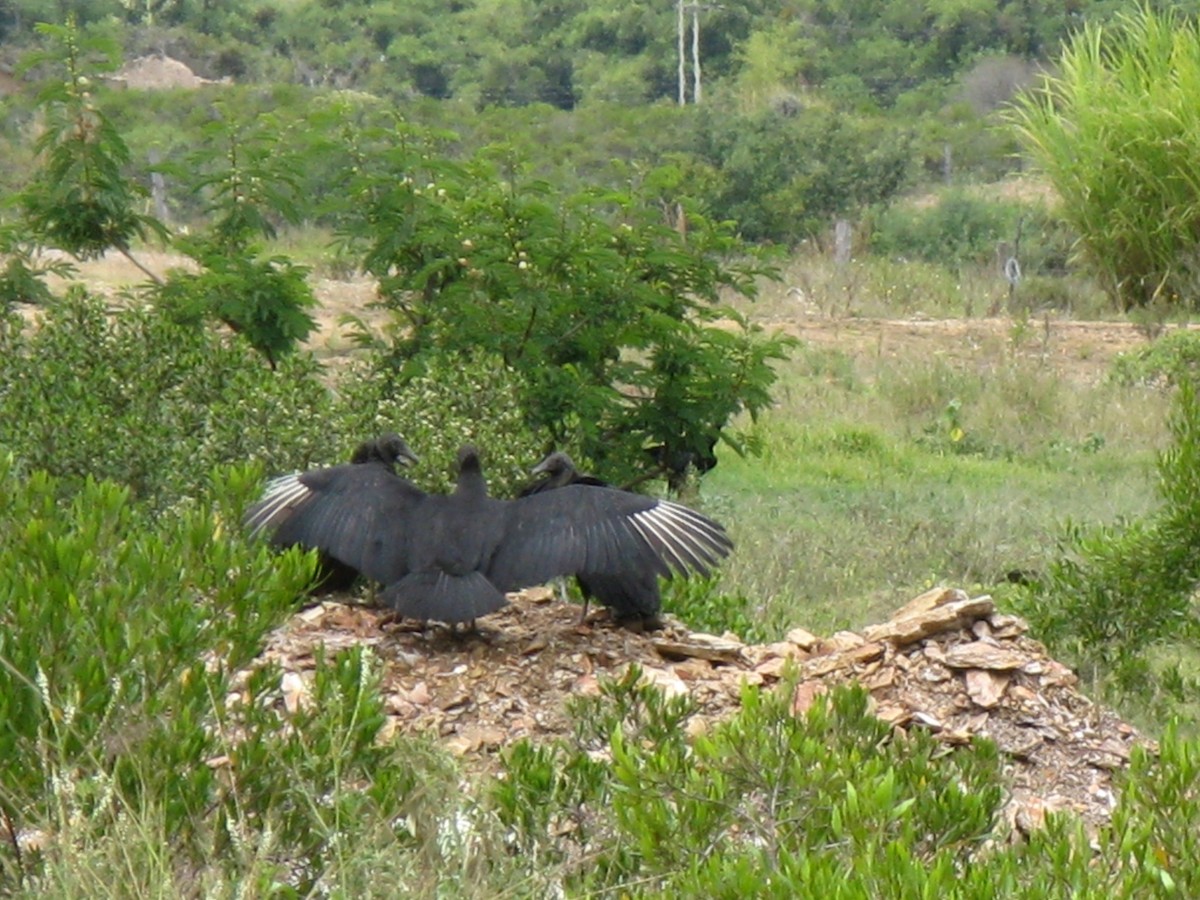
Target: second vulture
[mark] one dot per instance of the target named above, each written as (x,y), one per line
(633,595)
(452,557)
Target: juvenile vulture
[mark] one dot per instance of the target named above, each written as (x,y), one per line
(452,557)
(634,596)
(371,462)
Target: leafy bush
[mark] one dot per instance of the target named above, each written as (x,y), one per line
(266,300)
(314,786)
(439,403)
(813,794)
(116,636)
(698,602)
(119,637)
(247,172)
(1170,359)
(22,279)
(962,228)
(607,315)
(957,229)
(785,178)
(1117,591)
(133,397)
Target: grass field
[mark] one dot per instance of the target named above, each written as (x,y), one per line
(881,476)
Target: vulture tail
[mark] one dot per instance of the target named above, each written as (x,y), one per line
(446,598)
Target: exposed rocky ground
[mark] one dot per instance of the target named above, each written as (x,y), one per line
(946,662)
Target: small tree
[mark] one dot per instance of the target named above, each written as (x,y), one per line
(249,180)
(612,319)
(81,200)
(1116,132)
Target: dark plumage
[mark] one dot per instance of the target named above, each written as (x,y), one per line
(388,449)
(372,461)
(633,596)
(558,470)
(676,464)
(452,557)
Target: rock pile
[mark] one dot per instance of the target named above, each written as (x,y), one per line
(946,662)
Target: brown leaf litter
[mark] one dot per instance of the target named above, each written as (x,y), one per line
(947,663)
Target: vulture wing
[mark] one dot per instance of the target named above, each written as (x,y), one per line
(601,531)
(357,514)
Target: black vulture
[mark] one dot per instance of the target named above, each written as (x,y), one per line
(676,464)
(634,596)
(452,557)
(372,461)
(388,449)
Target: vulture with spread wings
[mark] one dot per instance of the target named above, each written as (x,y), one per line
(452,557)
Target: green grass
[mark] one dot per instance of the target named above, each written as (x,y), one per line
(880,477)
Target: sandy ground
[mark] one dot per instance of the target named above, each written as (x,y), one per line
(1078,350)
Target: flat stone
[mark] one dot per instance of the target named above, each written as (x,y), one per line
(985,688)
(701,646)
(982,655)
(667,681)
(803,639)
(916,626)
(929,601)
(843,640)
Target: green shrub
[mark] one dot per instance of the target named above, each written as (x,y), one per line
(704,607)
(1113,131)
(119,636)
(130,396)
(117,633)
(959,228)
(784,177)
(962,228)
(264,299)
(439,403)
(612,322)
(1117,591)
(1170,359)
(757,803)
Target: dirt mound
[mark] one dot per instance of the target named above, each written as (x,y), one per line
(946,663)
(157,73)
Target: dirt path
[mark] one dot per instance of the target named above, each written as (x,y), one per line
(1078,350)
